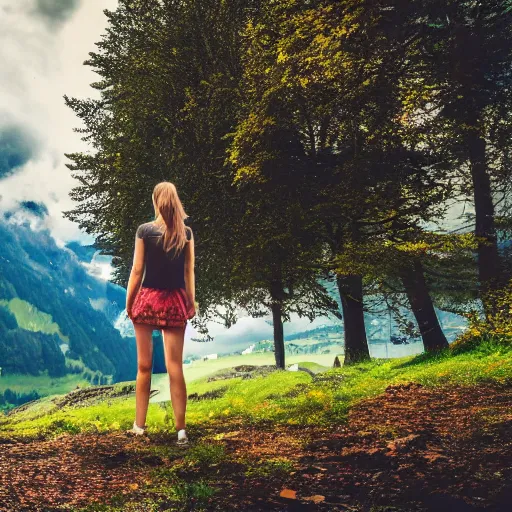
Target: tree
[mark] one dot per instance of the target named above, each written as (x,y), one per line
(317,71)
(465,60)
(166,102)
(278,264)
(170,96)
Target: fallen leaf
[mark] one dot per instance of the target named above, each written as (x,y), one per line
(317,498)
(433,456)
(288,493)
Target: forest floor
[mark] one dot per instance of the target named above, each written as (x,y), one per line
(410,448)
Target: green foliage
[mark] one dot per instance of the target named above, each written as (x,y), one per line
(7,319)
(197,494)
(492,334)
(10,398)
(60,426)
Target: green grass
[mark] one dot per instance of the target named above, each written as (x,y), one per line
(43,384)
(281,397)
(32,319)
(204,455)
(200,369)
(269,468)
(187,493)
(313,366)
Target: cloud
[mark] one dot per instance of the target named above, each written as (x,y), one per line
(56,12)
(17,147)
(38,209)
(39,65)
(246,331)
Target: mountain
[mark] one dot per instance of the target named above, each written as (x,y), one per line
(55,307)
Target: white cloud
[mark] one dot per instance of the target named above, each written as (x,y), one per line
(246,331)
(42,61)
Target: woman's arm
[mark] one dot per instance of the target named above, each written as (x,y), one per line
(135,275)
(190,280)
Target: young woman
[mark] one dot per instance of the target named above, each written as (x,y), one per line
(161,295)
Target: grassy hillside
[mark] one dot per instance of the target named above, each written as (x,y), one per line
(43,384)
(417,433)
(31,319)
(283,397)
(201,370)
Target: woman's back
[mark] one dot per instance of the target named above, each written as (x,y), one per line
(163,270)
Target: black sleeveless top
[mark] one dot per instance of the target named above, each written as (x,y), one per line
(162,270)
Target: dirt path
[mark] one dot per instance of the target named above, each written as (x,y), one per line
(412,448)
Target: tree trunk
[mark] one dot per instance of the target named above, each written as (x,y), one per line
(489,264)
(277,320)
(413,279)
(351,295)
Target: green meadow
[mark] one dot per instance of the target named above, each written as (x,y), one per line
(43,384)
(201,369)
(32,319)
(281,397)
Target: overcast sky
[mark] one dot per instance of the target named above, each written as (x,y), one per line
(43,44)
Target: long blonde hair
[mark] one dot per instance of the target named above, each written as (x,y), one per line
(170,214)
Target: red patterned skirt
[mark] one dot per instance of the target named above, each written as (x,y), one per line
(161,308)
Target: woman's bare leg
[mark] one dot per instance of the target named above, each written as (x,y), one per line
(173,349)
(144,338)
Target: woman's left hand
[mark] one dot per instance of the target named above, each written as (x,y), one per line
(191,308)
(192,311)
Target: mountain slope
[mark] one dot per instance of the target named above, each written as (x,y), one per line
(67,304)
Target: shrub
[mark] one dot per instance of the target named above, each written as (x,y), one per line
(192,495)
(490,333)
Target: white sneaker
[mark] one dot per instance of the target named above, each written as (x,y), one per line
(182,437)
(139,431)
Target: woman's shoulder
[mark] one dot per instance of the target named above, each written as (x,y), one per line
(148,228)
(141,230)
